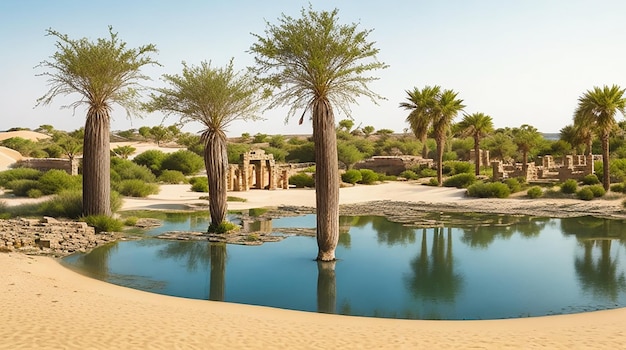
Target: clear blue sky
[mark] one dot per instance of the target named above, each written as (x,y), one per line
(517,61)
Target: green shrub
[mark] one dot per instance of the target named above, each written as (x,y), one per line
(462,180)
(385,177)
(55,181)
(34,193)
(368,176)
(66,204)
(513,184)
(124,169)
(488,190)
(590,179)
(598,190)
(301,180)
(184,161)
(131,221)
(21,187)
(199,184)
(619,187)
(454,167)
(585,194)
(428,172)
(409,175)
(569,186)
(172,177)
(223,227)
(152,159)
(534,192)
(103,223)
(235,199)
(351,176)
(18,174)
(136,188)
(433,182)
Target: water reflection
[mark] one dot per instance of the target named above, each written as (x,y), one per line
(433,276)
(479,267)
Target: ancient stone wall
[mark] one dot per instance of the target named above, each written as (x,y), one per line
(392,165)
(50,236)
(45,164)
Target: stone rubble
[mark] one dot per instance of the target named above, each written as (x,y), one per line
(50,236)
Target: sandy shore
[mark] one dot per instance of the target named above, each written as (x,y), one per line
(44,305)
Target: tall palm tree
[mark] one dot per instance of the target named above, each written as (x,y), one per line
(103,73)
(478,125)
(214,97)
(596,111)
(315,64)
(432,108)
(526,137)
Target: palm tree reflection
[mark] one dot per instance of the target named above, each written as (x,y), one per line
(326,287)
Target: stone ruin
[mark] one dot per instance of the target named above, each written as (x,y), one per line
(571,167)
(45,164)
(258,170)
(393,165)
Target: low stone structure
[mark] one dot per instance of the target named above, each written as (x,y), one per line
(483,157)
(570,167)
(45,164)
(50,236)
(393,165)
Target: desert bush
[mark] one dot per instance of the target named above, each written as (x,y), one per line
(172,177)
(569,186)
(428,172)
(619,187)
(55,181)
(34,193)
(66,204)
(514,184)
(131,221)
(18,174)
(462,180)
(590,179)
(21,187)
(454,167)
(585,194)
(223,227)
(152,159)
(351,176)
(598,190)
(433,182)
(136,188)
(409,175)
(368,176)
(200,184)
(184,161)
(385,177)
(301,180)
(534,192)
(124,169)
(103,223)
(488,190)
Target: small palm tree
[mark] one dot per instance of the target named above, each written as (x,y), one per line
(103,73)
(526,137)
(596,112)
(433,108)
(477,125)
(214,97)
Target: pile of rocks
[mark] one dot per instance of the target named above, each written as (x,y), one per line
(50,236)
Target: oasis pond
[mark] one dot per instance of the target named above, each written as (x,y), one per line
(472,267)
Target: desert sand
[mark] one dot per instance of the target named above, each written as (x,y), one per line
(45,305)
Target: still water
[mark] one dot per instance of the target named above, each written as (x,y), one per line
(478,267)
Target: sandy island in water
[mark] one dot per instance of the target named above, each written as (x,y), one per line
(45,305)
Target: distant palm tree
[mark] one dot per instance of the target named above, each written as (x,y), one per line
(214,97)
(596,112)
(434,108)
(526,137)
(478,125)
(103,73)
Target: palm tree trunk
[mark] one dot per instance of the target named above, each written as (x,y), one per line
(606,177)
(326,180)
(525,162)
(476,153)
(97,164)
(440,145)
(216,164)
(424,147)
